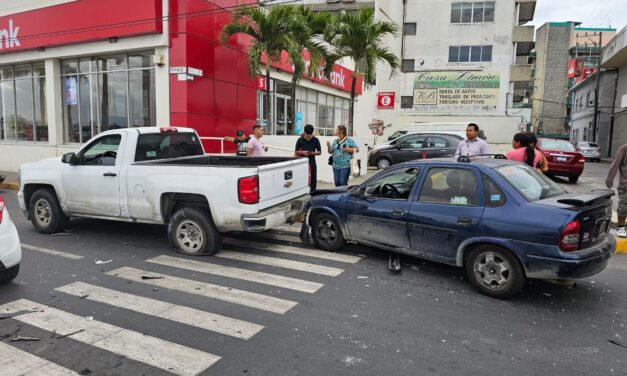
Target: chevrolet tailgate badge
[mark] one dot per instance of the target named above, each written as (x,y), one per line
(287,184)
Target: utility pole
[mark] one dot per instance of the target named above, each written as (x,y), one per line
(595,120)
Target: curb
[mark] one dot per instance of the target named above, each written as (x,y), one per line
(10,186)
(621,246)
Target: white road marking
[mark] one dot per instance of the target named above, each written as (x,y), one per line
(237,273)
(279,262)
(293,250)
(185,315)
(227,294)
(14,362)
(70,256)
(156,352)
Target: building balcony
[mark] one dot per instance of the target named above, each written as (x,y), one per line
(523,34)
(526,10)
(520,73)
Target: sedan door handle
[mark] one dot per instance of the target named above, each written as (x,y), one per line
(398,212)
(464,221)
(109,174)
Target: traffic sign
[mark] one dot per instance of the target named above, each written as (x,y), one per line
(385,100)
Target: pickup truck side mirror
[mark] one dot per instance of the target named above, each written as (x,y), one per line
(70,158)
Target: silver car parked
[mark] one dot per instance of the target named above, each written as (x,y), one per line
(590,150)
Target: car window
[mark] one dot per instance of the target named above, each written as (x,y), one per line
(436,142)
(395,185)
(593,145)
(452,186)
(529,182)
(556,145)
(151,146)
(493,196)
(102,152)
(412,143)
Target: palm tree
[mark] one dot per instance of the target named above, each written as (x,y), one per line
(307,29)
(358,36)
(270,30)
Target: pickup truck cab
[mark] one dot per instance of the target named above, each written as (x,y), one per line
(163,176)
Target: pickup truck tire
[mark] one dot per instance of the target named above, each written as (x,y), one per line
(45,212)
(326,232)
(192,232)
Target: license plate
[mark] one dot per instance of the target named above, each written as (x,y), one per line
(562,159)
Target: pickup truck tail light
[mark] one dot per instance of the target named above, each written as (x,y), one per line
(1,207)
(569,238)
(248,189)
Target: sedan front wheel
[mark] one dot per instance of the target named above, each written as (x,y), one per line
(326,232)
(495,272)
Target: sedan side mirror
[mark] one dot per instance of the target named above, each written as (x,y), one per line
(70,158)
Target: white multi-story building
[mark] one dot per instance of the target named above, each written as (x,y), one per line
(461,61)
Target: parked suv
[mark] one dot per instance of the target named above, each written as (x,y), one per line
(414,146)
(590,150)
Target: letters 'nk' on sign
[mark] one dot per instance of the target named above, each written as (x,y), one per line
(385,100)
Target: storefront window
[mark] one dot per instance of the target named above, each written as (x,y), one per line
(108,92)
(324,111)
(23,103)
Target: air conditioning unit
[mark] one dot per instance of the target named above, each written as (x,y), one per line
(348,1)
(332,1)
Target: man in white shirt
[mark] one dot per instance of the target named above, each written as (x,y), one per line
(472,145)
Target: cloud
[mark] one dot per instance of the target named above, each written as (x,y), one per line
(592,13)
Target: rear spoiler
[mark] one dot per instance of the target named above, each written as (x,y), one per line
(586,199)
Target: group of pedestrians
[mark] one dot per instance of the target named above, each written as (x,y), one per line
(342,150)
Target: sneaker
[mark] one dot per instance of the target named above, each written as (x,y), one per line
(621,232)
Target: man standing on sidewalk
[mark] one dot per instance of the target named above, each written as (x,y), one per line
(620,164)
(308,145)
(255,148)
(472,145)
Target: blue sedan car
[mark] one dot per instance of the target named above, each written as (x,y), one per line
(499,219)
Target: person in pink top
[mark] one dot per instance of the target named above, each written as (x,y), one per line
(255,148)
(523,152)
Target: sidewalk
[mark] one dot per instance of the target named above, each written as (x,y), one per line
(10,180)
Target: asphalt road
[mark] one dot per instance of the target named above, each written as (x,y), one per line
(347,316)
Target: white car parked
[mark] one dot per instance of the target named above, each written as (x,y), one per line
(10,247)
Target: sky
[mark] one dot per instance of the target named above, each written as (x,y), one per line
(592,13)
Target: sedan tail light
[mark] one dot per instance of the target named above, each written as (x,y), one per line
(1,207)
(248,190)
(569,238)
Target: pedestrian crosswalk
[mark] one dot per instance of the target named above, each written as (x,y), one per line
(242,277)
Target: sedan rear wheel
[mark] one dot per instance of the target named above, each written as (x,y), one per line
(495,272)
(326,232)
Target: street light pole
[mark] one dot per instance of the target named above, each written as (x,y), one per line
(595,120)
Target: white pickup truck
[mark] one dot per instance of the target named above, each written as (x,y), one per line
(162,176)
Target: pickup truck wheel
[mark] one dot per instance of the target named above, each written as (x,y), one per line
(9,274)
(495,272)
(327,233)
(191,232)
(45,212)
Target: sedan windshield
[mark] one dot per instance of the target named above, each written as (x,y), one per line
(529,182)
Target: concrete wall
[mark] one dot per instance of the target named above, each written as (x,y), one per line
(550,84)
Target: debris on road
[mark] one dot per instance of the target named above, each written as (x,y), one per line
(617,343)
(99,262)
(60,234)
(152,277)
(83,296)
(24,339)
(18,313)
(71,334)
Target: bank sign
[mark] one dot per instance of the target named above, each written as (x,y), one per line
(456,91)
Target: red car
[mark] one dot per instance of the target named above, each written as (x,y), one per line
(564,158)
